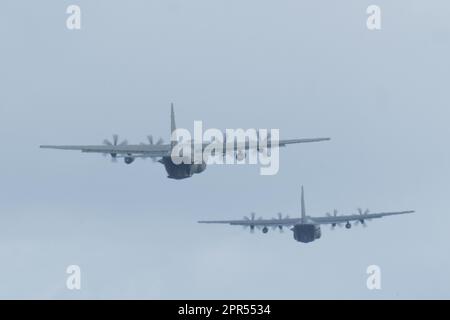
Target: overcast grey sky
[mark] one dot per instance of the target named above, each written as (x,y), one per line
(309,68)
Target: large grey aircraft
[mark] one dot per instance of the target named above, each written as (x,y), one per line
(161,152)
(306,228)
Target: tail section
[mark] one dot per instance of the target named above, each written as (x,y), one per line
(303,206)
(173,126)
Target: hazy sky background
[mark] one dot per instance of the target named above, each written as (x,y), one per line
(309,68)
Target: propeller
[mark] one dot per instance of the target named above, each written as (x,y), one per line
(362,220)
(252,219)
(114,143)
(279,218)
(334,215)
(151,143)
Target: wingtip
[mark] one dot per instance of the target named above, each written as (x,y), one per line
(323,139)
(408,211)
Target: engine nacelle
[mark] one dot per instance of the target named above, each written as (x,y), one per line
(240,155)
(128,160)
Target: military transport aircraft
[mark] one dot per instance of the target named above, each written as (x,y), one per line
(306,229)
(161,152)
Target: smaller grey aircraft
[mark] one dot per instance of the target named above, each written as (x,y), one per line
(306,228)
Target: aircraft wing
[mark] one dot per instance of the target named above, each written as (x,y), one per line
(142,150)
(283,143)
(285,222)
(155,150)
(242,146)
(354,217)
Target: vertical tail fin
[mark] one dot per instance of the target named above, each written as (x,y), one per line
(173,126)
(303,206)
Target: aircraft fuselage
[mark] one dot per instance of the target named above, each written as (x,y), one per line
(306,232)
(181,171)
